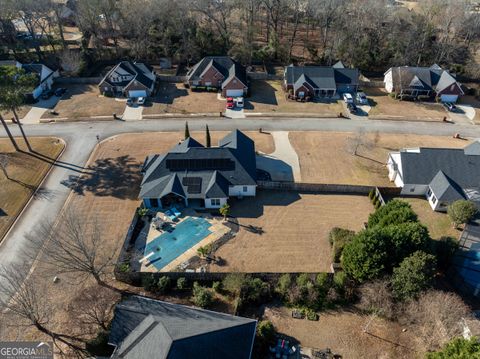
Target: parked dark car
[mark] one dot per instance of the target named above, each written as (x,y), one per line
(47,94)
(60,91)
(352,107)
(130,101)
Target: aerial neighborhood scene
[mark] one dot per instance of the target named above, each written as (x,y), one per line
(219,179)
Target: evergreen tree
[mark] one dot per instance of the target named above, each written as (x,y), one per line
(209,140)
(187,131)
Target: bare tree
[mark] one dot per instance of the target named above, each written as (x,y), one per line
(25,298)
(436,318)
(71,61)
(376,298)
(360,139)
(73,245)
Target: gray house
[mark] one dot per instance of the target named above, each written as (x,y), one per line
(443,175)
(320,81)
(200,176)
(144,328)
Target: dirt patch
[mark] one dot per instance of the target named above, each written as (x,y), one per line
(25,172)
(343,333)
(268,96)
(175,98)
(383,105)
(438,223)
(288,231)
(83,101)
(327,157)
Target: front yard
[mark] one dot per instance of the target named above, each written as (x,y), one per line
(385,106)
(25,173)
(85,101)
(175,98)
(288,231)
(269,97)
(21,112)
(327,157)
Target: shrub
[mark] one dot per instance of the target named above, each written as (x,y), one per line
(444,250)
(371,194)
(340,280)
(217,286)
(322,281)
(311,315)
(377,205)
(458,348)
(181,283)
(394,212)
(255,291)
(163,284)
(148,282)
(283,285)
(124,267)
(461,212)
(266,331)
(201,296)
(338,237)
(142,211)
(414,275)
(233,283)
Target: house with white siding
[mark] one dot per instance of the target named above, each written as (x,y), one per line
(442,175)
(198,176)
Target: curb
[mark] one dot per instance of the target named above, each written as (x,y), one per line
(27,204)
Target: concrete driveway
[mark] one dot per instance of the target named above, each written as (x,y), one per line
(235,113)
(133,113)
(38,109)
(464,115)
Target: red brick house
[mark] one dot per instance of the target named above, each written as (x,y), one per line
(219,72)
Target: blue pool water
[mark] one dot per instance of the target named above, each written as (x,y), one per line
(169,246)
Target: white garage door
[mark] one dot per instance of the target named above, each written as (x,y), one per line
(137,93)
(235,93)
(449,98)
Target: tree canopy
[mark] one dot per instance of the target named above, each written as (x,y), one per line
(461,212)
(458,348)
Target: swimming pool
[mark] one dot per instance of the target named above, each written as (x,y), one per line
(169,246)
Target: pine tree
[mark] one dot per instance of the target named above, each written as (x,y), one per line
(209,140)
(187,131)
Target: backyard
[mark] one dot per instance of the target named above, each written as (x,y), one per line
(385,106)
(269,96)
(327,157)
(84,101)
(288,231)
(175,98)
(25,172)
(342,332)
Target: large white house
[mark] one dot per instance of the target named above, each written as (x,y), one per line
(43,73)
(443,175)
(200,176)
(422,81)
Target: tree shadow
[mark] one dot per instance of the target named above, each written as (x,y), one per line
(167,93)
(261,92)
(54,162)
(115,177)
(3,213)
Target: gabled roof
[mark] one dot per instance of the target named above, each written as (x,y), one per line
(459,165)
(432,78)
(140,72)
(232,163)
(445,189)
(304,80)
(322,77)
(228,67)
(144,328)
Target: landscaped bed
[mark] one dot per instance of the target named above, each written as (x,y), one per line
(288,231)
(327,157)
(25,173)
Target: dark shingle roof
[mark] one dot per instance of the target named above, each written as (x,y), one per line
(445,188)
(148,328)
(322,76)
(132,69)
(421,167)
(234,161)
(228,67)
(217,187)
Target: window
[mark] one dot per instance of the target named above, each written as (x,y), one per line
(245,189)
(434,199)
(208,83)
(412,189)
(215,201)
(429,192)
(154,202)
(301,93)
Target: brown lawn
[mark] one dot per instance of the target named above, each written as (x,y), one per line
(175,98)
(343,333)
(438,223)
(294,230)
(326,157)
(25,173)
(84,101)
(384,105)
(21,112)
(268,96)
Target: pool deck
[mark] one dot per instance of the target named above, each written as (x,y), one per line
(217,228)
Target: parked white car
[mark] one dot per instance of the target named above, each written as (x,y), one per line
(239,102)
(347,98)
(141,100)
(362,98)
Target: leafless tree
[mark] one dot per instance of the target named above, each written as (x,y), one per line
(73,245)
(376,298)
(25,298)
(358,140)
(71,61)
(436,318)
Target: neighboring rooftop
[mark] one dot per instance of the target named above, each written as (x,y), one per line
(322,76)
(228,67)
(144,328)
(140,71)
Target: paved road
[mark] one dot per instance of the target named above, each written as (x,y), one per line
(81,139)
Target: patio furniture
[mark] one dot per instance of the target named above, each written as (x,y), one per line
(298,314)
(292,350)
(176,212)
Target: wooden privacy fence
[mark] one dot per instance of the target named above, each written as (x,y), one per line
(315,187)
